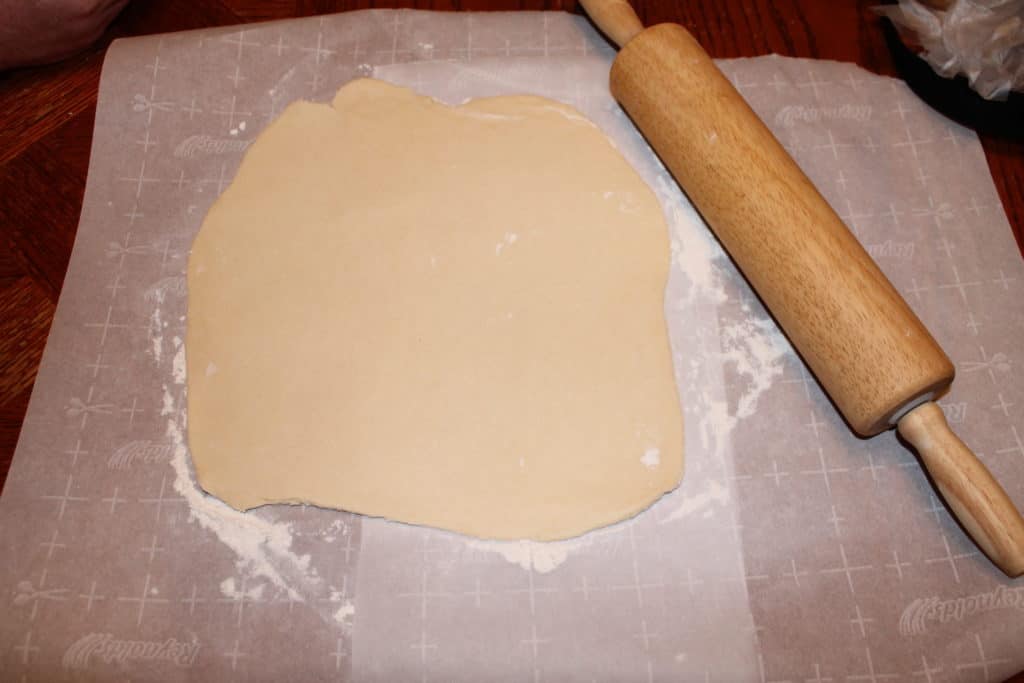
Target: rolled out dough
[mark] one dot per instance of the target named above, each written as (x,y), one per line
(450,316)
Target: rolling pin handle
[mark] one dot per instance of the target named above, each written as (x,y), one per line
(615,18)
(972,493)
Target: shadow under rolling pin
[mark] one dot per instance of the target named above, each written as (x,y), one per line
(872,355)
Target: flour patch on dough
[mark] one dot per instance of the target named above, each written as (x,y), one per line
(651,458)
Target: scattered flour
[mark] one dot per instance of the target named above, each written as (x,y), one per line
(695,250)
(716,425)
(753,344)
(263,549)
(757,350)
(747,343)
(651,458)
(156,336)
(156,295)
(532,555)
(345,613)
(229,589)
(333,530)
(714,492)
(167,402)
(178,367)
(507,240)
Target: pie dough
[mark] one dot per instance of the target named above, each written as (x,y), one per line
(450,316)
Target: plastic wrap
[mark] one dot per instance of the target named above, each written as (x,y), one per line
(981,39)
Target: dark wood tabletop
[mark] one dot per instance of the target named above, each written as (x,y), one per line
(46,120)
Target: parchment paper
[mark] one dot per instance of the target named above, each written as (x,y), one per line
(793,551)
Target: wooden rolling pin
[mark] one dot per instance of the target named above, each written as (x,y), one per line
(873,356)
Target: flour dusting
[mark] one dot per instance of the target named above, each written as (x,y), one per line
(167,402)
(752,345)
(333,531)
(229,589)
(263,549)
(695,251)
(541,557)
(651,458)
(741,341)
(156,337)
(345,613)
(757,351)
(178,364)
(714,492)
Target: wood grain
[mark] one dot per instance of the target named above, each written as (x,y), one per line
(615,18)
(972,493)
(806,265)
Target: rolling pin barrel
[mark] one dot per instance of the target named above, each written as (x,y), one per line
(865,345)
